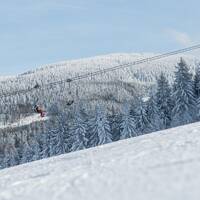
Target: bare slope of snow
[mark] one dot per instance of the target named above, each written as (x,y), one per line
(24,121)
(163,165)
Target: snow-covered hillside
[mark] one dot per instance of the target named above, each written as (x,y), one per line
(4,78)
(163,165)
(109,89)
(58,71)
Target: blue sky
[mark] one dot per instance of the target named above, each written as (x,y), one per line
(36,32)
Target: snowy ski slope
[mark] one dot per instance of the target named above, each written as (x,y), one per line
(159,166)
(24,121)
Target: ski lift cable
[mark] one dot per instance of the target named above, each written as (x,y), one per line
(103,71)
(137,62)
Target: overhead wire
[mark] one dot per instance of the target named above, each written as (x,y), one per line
(102,71)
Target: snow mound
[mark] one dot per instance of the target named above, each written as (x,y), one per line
(163,165)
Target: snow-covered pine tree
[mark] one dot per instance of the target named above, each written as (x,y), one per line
(127,124)
(11,157)
(142,123)
(27,153)
(1,160)
(99,128)
(183,95)
(152,113)
(52,133)
(114,120)
(58,140)
(34,145)
(18,144)
(46,145)
(197,89)
(163,102)
(78,132)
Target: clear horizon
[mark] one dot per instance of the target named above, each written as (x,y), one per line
(35,33)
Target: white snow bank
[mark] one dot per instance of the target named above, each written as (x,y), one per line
(24,121)
(159,166)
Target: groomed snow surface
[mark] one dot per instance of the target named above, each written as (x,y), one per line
(158,166)
(24,121)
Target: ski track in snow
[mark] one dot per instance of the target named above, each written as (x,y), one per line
(25,121)
(158,166)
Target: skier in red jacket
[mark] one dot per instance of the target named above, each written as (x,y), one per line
(39,110)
